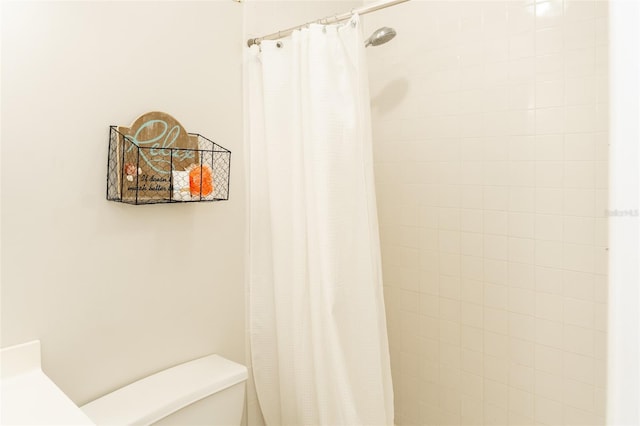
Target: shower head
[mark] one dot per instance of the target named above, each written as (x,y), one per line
(380,36)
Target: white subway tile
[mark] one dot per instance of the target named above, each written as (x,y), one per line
(580,174)
(449,355)
(549,147)
(449,290)
(580,118)
(495,197)
(495,296)
(579,367)
(429,281)
(522,326)
(521,148)
(495,149)
(549,333)
(522,96)
(549,13)
(521,403)
(471,149)
(522,71)
(449,309)
(496,320)
(548,227)
(521,301)
(578,257)
(548,411)
(472,361)
(521,275)
(549,359)
(522,122)
(471,268)
(522,377)
(472,411)
(495,50)
(471,220)
(549,40)
(496,173)
(495,222)
(495,271)
(428,327)
(521,17)
(579,395)
(496,369)
(521,352)
(522,45)
(472,338)
(579,91)
(600,318)
(600,344)
(472,384)
(579,9)
(495,73)
(602,31)
(521,225)
(471,244)
(548,385)
(579,312)
(580,147)
(521,199)
(549,307)
(552,120)
(471,314)
(496,345)
(579,340)
(549,254)
(580,34)
(522,173)
(471,197)
(549,174)
(449,241)
(496,393)
(548,280)
(579,202)
(471,172)
(579,230)
(580,63)
(550,67)
(550,93)
(549,201)
(449,264)
(428,305)
(576,417)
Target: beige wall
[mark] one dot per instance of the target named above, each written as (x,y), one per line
(114,291)
(490,138)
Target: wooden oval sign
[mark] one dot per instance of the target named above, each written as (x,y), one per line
(153,147)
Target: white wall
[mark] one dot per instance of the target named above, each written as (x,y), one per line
(491,147)
(114,291)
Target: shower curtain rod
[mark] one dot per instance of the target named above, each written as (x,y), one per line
(328,20)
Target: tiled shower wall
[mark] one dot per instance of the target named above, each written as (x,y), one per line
(490,139)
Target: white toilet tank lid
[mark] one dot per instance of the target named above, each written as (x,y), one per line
(155,397)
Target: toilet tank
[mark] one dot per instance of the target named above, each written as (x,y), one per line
(205,391)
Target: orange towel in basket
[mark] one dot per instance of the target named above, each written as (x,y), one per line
(200,181)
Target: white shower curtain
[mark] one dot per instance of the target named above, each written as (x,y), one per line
(317,324)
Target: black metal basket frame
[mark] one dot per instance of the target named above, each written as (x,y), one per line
(220,169)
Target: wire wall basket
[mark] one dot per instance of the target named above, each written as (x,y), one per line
(141,174)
